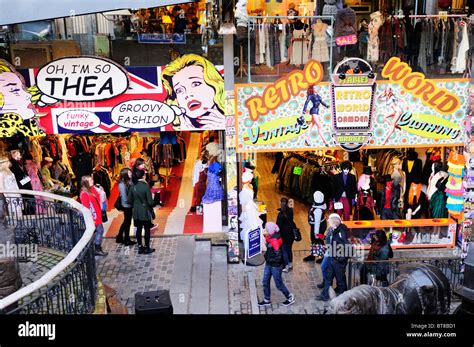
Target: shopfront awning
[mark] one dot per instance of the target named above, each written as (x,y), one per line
(21,11)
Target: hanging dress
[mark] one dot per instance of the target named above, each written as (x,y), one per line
(320,50)
(299,48)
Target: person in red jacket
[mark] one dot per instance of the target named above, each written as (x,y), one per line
(90,198)
(274,266)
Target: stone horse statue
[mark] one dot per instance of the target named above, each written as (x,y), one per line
(420,289)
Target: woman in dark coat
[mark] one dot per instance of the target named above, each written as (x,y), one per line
(140,198)
(286,224)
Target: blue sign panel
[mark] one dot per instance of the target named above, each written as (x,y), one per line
(162,38)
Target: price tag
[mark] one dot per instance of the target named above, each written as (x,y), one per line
(297,170)
(338,206)
(25,180)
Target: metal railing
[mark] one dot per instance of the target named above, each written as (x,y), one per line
(56,223)
(451,267)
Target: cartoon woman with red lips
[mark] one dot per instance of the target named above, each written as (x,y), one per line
(196,87)
(394,110)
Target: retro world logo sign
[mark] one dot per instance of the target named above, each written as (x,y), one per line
(299,112)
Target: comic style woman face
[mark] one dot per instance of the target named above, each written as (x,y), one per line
(315,90)
(192,92)
(15,98)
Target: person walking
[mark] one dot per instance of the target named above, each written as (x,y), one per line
(125,185)
(286,224)
(274,266)
(90,198)
(380,250)
(336,257)
(140,198)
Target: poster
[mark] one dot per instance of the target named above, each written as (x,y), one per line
(89,94)
(254,243)
(406,110)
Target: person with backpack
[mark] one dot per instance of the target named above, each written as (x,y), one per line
(380,250)
(125,185)
(140,198)
(317,223)
(274,266)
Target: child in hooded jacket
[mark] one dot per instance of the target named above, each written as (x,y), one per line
(274,266)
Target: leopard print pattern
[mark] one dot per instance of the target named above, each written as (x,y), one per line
(12,124)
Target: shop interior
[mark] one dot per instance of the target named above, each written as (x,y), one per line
(185,172)
(433,39)
(408,192)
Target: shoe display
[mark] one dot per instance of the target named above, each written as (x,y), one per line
(265,303)
(289,301)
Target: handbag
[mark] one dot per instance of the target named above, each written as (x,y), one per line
(150,212)
(318,250)
(296,230)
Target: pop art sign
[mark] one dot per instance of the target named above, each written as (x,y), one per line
(299,112)
(95,95)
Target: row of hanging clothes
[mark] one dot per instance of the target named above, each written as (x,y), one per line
(302,175)
(273,42)
(167,150)
(101,176)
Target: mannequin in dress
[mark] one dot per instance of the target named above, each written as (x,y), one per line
(250,216)
(320,50)
(413,168)
(399,179)
(8,182)
(389,200)
(376,21)
(366,179)
(417,204)
(299,50)
(437,174)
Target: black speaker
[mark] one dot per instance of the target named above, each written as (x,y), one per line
(155,302)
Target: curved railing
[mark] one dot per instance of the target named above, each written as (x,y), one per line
(56,223)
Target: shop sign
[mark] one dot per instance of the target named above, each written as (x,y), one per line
(346,40)
(162,38)
(95,95)
(81,79)
(352,103)
(408,110)
(254,243)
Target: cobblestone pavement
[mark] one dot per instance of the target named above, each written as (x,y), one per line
(302,281)
(129,272)
(32,270)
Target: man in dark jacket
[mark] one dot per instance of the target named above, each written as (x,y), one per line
(345,189)
(274,266)
(336,257)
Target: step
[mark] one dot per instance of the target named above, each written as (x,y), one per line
(219,303)
(180,288)
(200,283)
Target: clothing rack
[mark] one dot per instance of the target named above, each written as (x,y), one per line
(438,16)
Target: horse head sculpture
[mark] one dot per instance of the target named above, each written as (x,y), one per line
(420,289)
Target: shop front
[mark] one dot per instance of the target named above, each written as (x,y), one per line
(87,115)
(384,151)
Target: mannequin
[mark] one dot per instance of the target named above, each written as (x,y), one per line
(417,203)
(249,218)
(345,189)
(436,176)
(214,191)
(199,182)
(366,179)
(389,199)
(8,182)
(412,167)
(438,200)
(399,180)
(316,221)
(365,204)
(376,21)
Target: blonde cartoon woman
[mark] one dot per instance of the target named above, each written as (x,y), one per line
(196,87)
(17,112)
